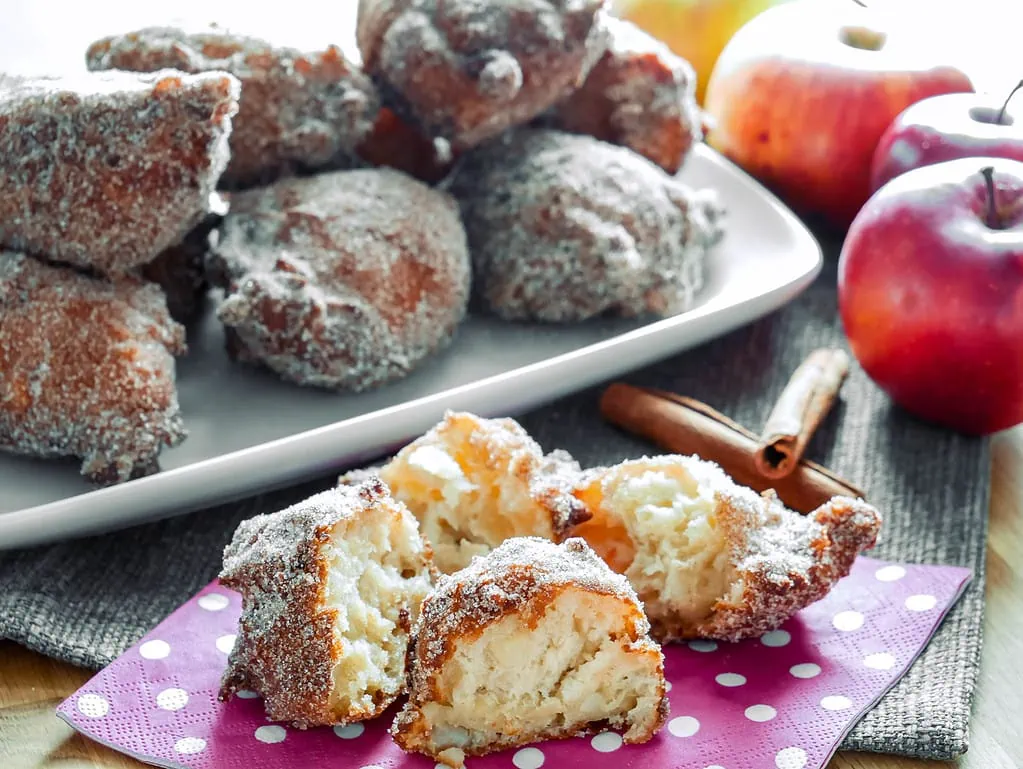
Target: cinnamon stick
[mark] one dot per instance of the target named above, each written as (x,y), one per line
(686,426)
(805,401)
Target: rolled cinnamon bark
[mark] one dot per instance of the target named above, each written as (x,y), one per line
(685,426)
(805,401)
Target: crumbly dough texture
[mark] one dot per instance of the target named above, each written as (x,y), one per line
(86,369)
(563,228)
(640,95)
(299,110)
(105,171)
(467,70)
(712,559)
(344,280)
(473,483)
(330,588)
(533,641)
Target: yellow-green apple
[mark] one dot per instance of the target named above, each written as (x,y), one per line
(930,291)
(947,127)
(802,93)
(696,30)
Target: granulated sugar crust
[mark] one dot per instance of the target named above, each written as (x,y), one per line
(640,95)
(299,110)
(86,369)
(343,280)
(105,171)
(467,70)
(286,646)
(563,228)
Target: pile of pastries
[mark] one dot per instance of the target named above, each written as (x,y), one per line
(518,156)
(513,595)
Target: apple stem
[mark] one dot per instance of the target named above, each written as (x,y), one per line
(1005,104)
(989,183)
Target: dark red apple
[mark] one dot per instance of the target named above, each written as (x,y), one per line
(801,95)
(947,127)
(930,292)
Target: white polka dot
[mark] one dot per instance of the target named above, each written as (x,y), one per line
(890,573)
(790,758)
(214,601)
(154,650)
(703,646)
(246,694)
(190,745)
(730,679)
(684,726)
(805,670)
(848,621)
(776,638)
(225,643)
(921,602)
(667,686)
(349,732)
(93,706)
(715,766)
(375,766)
(271,734)
(528,758)
(836,702)
(606,742)
(172,699)
(760,713)
(879,661)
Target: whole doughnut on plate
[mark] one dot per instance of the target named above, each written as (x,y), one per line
(344,280)
(564,228)
(467,70)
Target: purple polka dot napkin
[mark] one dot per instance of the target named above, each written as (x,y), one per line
(784,700)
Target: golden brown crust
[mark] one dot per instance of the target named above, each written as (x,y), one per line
(522,577)
(299,110)
(86,369)
(840,530)
(343,280)
(286,646)
(467,71)
(640,95)
(105,170)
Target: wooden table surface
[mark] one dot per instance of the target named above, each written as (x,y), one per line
(31,686)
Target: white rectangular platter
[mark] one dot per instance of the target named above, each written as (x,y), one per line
(249,432)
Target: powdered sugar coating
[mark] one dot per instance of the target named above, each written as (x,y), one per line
(640,95)
(105,171)
(287,643)
(299,110)
(467,70)
(86,369)
(564,227)
(344,280)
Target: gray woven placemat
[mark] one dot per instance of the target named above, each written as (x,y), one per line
(86,601)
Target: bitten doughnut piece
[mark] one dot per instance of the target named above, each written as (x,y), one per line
(712,559)
(563,228)
(472,483)
(105,171)
(344,280)
(86,369)
(330,588)
(299,110)
(533,641)
(468,70)
(640,95)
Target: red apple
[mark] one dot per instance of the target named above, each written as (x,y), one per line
(930,290)
(947,127)
(802,93)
